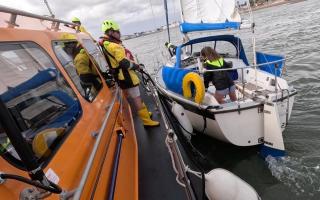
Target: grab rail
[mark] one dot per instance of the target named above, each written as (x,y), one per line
(15,12)
(94,151)
(245,67)
(115,165)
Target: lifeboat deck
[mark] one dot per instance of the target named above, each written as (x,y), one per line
(156,175)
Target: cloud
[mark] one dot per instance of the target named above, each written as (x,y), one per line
(132,15)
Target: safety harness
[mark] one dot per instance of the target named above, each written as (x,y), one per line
(127,82)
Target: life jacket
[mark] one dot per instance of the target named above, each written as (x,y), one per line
(215,63)
(129,54)
(115,52)
(220,79)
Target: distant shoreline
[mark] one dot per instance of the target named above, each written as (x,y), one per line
(275,3)
(254,8)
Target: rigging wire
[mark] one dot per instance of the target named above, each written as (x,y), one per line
(175,17)
(221,9)
(155,25)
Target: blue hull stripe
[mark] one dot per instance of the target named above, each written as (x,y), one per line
(266,151)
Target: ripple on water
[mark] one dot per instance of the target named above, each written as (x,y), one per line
(302,177)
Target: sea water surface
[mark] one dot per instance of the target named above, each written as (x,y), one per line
(293,30)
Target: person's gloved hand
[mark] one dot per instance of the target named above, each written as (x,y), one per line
(138,67)
(101,41)
(142,66)
(135,66)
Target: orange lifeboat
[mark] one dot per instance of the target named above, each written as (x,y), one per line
(62,127)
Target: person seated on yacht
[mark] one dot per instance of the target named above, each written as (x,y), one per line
(220,79)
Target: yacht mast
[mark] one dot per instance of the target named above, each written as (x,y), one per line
(167,18)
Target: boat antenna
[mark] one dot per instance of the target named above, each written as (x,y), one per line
(50,11)
(167,18)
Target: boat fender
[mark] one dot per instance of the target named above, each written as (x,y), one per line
(173,78)
(209,98)
(224,185)
(196,80)
(180,114)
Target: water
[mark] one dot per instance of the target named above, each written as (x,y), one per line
(293,30)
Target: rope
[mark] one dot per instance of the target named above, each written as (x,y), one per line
(172,160)
(197,174)
(51,188)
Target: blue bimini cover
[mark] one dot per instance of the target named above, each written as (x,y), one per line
(263,61)
(173,77)
(191,27)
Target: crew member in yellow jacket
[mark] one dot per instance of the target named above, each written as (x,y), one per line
(123,69)
(79,27)
(87,73)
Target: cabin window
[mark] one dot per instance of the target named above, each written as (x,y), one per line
(42,104)
(75,59)
(224,48)
(96,54)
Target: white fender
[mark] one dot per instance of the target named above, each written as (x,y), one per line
(181,115)
(212,89)
(209,98)
(223,185)
(273,138)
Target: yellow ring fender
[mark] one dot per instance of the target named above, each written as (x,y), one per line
(43,140)
(197,81)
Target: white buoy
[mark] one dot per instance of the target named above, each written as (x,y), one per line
(179,112)
(223,185)
(273,138)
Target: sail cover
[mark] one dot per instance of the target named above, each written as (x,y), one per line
(209,11)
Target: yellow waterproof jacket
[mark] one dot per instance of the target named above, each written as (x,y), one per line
(82,29)
(127,78)
(82,64)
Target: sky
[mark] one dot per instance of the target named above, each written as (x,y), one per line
(132,15)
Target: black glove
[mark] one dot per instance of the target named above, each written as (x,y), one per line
(142,66)
(135,66)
